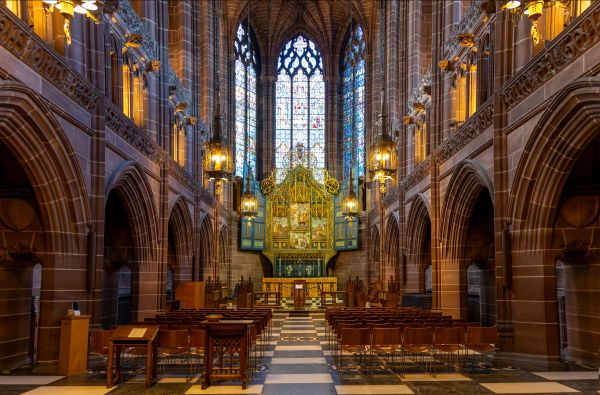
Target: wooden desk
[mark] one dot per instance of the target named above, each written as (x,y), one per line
(226,338)
(132,336)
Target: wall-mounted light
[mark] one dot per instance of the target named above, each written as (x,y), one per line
(68,9)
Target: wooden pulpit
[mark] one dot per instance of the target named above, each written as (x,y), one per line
(299,294)
(72,356)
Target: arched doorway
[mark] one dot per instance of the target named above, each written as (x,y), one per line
(467,232)
(206,249)
(391,261)
(554,216)
(479,258)
(578,264)
(419,248)
(118,254)
(131,241)
(375,256)
(22,236)
(179,248)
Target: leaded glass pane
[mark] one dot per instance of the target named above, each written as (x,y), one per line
(245,99)
(354,103)
(300,102)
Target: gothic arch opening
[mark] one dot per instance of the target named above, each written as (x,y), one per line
(118,256)
(578,264)
(480,265)
(22,235)
(179,248)
(552,209)
(206,249)
(419,246)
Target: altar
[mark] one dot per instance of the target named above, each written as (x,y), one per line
(285,285)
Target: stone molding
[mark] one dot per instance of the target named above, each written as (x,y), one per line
(392,196)
(182,175)
(126,129)
(577,38)
(471,128)
(207,197)
(417,175)
(23,43)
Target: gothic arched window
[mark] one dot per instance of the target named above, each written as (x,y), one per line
(300,102)
(246,68)
(353,69)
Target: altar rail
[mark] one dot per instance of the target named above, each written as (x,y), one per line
(285,285)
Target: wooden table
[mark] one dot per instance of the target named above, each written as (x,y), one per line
(132,336)
(226,337)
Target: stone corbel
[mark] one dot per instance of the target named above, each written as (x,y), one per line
(134,41)
(446,65)
(154,66)
(466,40)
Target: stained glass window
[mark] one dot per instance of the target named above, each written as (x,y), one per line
(300,102)
(246,66)
(353,70)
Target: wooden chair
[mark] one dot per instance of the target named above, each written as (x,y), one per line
(197,345)
(449,342)
(386,341)
(356,341)
(173,343)
(481,340)
(417,342)
(99,342)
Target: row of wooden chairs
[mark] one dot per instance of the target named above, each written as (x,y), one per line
(449,345)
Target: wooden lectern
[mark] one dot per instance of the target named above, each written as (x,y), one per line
(299,294)
(72,356)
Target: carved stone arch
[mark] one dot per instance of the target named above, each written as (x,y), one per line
(180,228)
(130,184)
(223,255)
(207,249)
(418,229)
(375,253)
(34,136)
(36,140)
(568,125)
(390,262)
(467,182)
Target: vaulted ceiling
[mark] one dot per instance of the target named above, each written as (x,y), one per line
(324,21)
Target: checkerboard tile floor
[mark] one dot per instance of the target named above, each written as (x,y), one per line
(298,361)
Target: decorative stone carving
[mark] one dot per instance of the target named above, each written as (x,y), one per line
(182,175)
(132,25)
(391,196)
(471,128)
(420,98)
(134,41)
(417,175)
(207,197)
(460,32)
(124,127)
(577,38)
(23,43)
(466,40)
